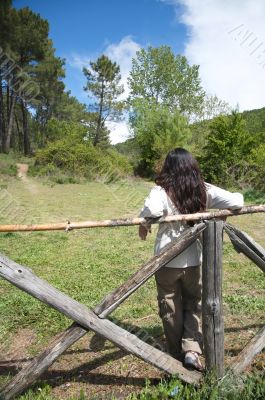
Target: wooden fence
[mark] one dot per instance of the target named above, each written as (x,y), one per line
(95,320)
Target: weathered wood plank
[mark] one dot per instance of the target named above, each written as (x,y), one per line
(115,298)
(65,339)
(248,240)
(212,305)
(246,245)
(24,279)
(246,356)
(131,221)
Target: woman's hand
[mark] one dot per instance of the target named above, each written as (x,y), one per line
(143,231)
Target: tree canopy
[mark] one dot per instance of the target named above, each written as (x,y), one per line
(157,130)
(225,156)
(104,88)
(159,76)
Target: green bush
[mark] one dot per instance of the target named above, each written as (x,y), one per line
(257,162)
(224,158)
(65,157)
(254,196)
(157,130)
(8,169)
(59,130)
(232,155)
(7,165)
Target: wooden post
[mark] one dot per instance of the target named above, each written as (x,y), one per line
(212,307)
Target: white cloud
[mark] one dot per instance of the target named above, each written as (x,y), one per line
(119,131)
(227,39)
(79,62)
(123,53)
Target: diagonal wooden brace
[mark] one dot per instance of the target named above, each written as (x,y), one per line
(246,356)
(65,339)
(115,298)
(243,243)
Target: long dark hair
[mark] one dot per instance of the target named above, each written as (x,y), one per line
(181,178)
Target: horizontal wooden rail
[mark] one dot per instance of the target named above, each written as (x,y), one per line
(66,226)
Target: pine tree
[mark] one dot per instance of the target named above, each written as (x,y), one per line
(104,87)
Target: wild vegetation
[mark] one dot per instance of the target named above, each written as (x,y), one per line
(76,173)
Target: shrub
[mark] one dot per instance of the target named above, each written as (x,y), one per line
(254,196)
(224,159)
(7,165)
(80,160)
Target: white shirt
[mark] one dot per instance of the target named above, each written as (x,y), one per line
(158,204)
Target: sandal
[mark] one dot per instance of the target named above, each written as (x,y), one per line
(192,361)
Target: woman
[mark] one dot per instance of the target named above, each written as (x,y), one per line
(180,189)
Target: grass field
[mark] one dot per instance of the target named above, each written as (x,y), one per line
(86,265)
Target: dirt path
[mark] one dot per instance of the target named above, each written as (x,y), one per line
(22,170)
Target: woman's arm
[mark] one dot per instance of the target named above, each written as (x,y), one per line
(222,199)
(154,207)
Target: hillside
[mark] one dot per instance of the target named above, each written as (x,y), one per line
(255,120)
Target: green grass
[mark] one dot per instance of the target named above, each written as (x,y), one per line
(84,264)
(87,264)
(229,388)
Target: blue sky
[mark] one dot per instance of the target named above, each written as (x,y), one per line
(225,37)
(84,29)
(90,24)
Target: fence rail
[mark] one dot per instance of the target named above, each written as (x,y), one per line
(85,319)
(67,226)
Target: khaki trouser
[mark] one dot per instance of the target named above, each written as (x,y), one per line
(179,296)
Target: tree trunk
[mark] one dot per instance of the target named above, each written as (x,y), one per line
(2,117)
(25,129)
(19,134)
(11,112)
(8,95)
(99,121)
